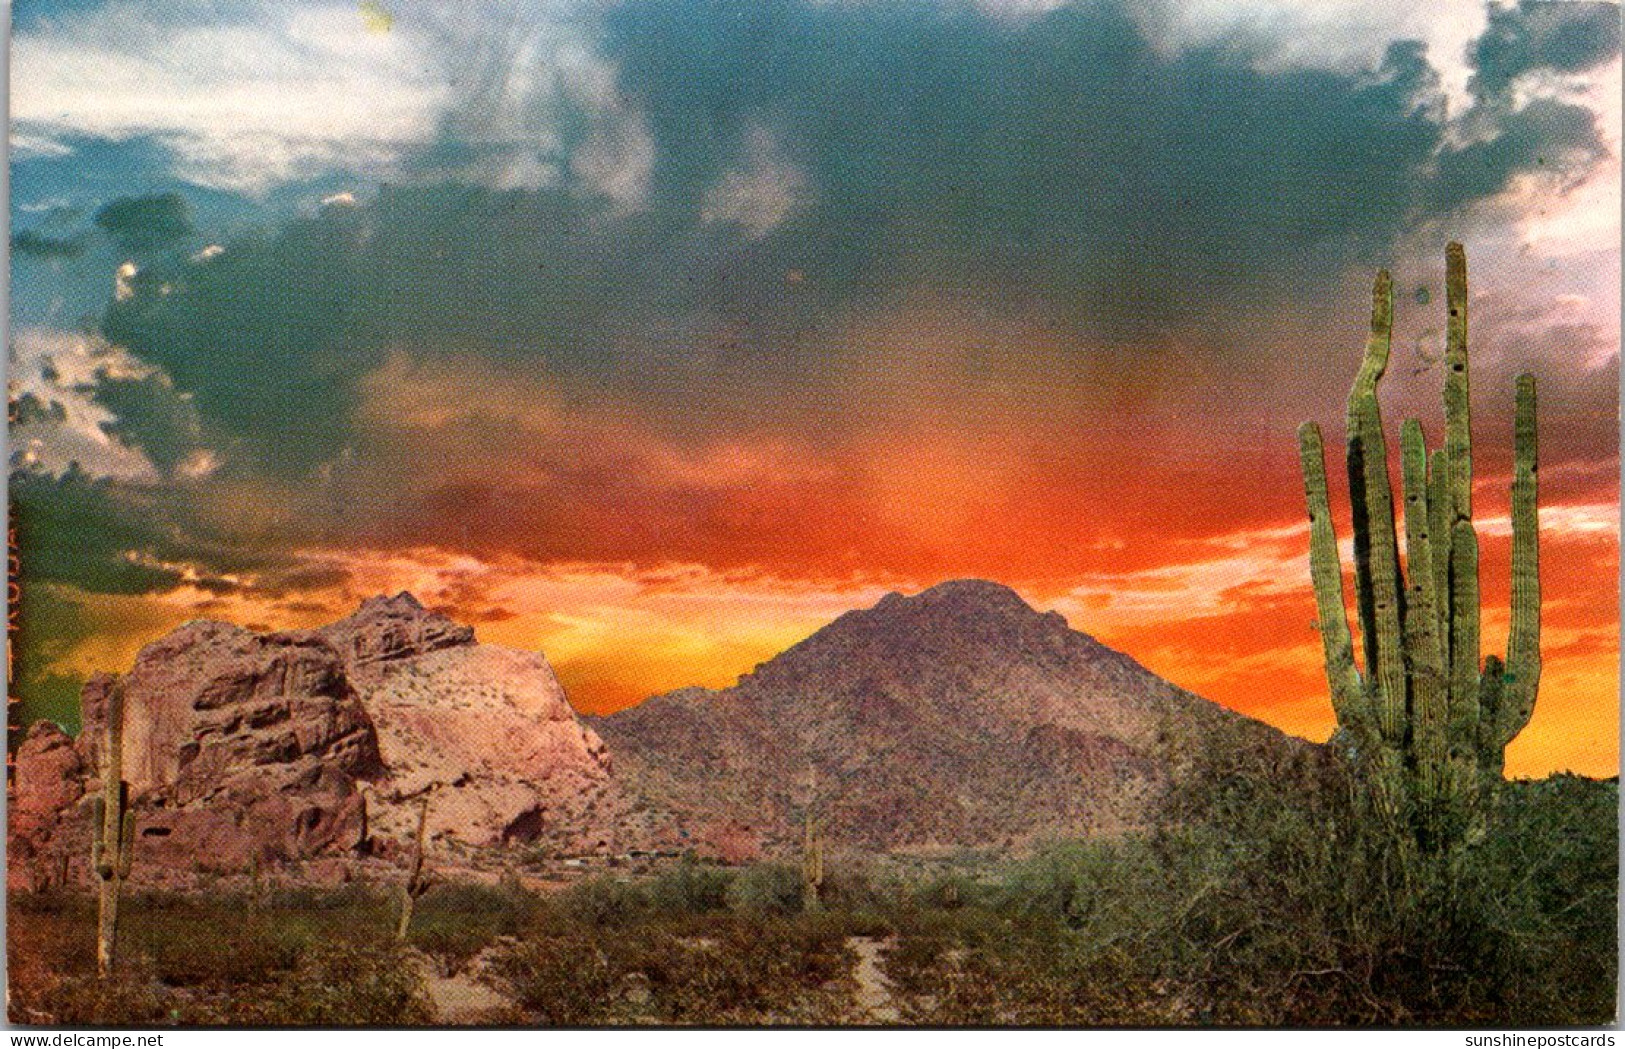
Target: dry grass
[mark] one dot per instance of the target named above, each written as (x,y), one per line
(1262,905)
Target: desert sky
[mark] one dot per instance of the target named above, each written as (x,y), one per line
(655,334)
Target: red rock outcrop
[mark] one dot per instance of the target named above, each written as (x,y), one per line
(486,729)
(50,775)
(245,748)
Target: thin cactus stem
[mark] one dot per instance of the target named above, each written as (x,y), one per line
(1523,641)
(1491,697)
(1464,633)
(1458,439)
(812,864)
(1327,575)
(1376,548)
(1360,450)
(1441,513)
(812,846)
(113,832)
(1428,690)
(419,880)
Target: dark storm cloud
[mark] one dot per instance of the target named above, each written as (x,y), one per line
(1563,36)
(1059,166)
(1062,157)
(146,223)
(35,245)
(105,537)
(152,416)
(1544,134)
(29,409)
(47,626)
(79,530)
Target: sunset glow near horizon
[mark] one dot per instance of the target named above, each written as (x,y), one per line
(657,357)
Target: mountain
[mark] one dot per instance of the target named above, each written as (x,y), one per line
(244,748)
(959,716)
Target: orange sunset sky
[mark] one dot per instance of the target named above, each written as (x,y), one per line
(654,336)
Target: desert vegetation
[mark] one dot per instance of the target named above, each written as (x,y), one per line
(1262,898)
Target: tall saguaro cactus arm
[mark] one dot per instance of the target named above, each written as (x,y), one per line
(1327,574)
(1428,724)
(1376,547)
(1458,435)
(1522,679)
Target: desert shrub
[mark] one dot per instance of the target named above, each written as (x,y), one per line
(767,970)
(604,901)
(1321,924)
(561,981)
(206,943)
(766,888)
(343,985)
(453,923)
(850,886)
(691,887)
(351,898)
(1082,884)
(131,997)
(1270,902)
(948,892)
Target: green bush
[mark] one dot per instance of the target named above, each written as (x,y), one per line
(767,970)
(453,923)
(691,887)
(133,997)
(562,981)
(604,901)
(766,888)
(343,985)
(1261,899)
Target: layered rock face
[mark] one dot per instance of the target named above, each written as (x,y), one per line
(45,834)
(959,716)
(243,747)
(486,729)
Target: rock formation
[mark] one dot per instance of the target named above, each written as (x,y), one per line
(246,748)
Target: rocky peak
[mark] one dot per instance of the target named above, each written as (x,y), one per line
(954,623)
(970,604)
(963,597)
(394,628)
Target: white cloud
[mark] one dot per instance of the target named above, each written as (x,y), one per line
(58,369)
(619,159)
(284,91)
(1345,35)
(243,105)
(760,195)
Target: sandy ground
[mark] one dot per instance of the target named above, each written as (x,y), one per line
(875,1001)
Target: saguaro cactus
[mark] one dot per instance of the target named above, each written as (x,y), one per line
(420,880)
(113,833)
(1427,723)
(812,863)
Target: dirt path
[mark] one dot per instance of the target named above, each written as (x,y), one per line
(462,1000)
(875,1002)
